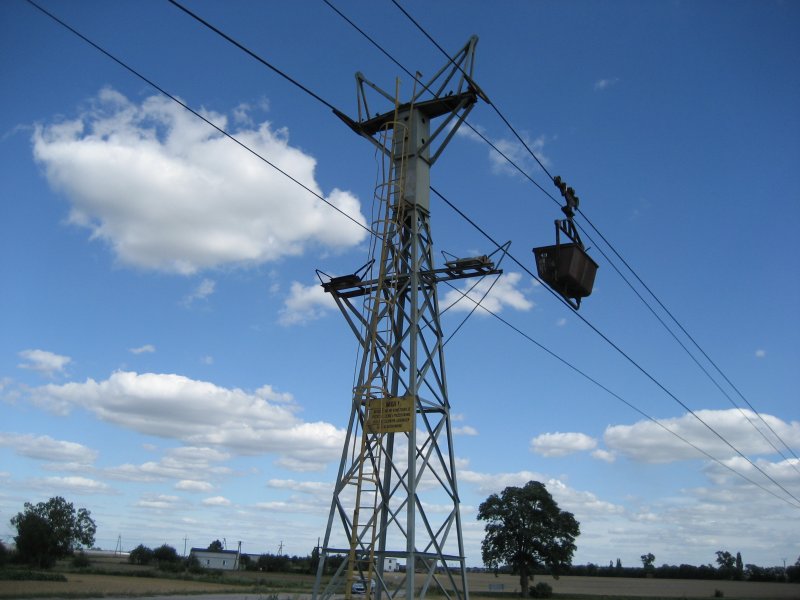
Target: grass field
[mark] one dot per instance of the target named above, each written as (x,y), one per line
(298,587)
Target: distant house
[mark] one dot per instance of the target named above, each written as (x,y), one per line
(390,565)
(224,560)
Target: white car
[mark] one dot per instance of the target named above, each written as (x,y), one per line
(360,588)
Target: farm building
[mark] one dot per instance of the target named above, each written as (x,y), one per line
(225,560)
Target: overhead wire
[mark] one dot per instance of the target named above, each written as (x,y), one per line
(403,68)
(618,397)
(697,345)
(492,104)
(619,350)
(198,114)
(253,55)
(600,250)
(544,168)
(238,142)
(627,265)
(595,329)
(534,182)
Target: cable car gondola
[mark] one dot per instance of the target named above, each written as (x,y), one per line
(566,267)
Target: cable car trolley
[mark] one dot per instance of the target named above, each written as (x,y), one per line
(566,267)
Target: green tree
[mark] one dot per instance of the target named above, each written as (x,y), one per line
(739,567)
(51,530)
(275,563)
(246,563)
(165,554)
(648,560)
(727,563)
(526,529)
(793,572)
(216,546)
(141,555)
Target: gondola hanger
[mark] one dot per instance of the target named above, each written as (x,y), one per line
(566,267)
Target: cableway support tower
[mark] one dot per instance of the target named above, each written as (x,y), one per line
(395,499)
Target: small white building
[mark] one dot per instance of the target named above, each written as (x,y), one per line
(225,560)
(390,565)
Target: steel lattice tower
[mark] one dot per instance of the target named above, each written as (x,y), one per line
(396,495)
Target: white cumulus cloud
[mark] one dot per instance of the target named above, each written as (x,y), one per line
(604,455)
(512,150)
(198,413)
(146,349)
(44,362)
(504,292)
(46,448)
(193,485)
(562,444)
(646,441)
(167,192)
(465,430)
(72,485)
(203,290)
(217,501)
(315,488)
(305,304)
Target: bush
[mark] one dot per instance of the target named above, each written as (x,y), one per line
(541,590)
(193,565)
(170,567)
(165,554)
(719,594)
(80,560)
(18,575)
(141,555)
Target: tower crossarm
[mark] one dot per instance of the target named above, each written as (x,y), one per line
(352,287)
(433,108)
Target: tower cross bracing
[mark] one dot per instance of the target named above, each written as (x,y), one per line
(396,498)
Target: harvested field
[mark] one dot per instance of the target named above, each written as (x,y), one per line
(566,588)
(84,585)
(640,588)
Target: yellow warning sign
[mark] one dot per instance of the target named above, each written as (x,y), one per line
(390,415)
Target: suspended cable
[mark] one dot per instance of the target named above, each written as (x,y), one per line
(253,54)
(318,98)
(620,351)
(536,158)
(589,378)
(198,115)
(492,104)
(691,338)
(627,281)
(465,122)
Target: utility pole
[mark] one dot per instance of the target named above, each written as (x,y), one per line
(398,459)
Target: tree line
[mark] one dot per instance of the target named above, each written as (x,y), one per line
(166,558)
(527,534)
(749,572)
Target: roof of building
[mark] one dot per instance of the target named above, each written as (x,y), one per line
(207,551)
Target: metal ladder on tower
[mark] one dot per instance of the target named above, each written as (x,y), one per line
(376,384)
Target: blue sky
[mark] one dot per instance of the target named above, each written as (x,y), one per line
(168,361)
